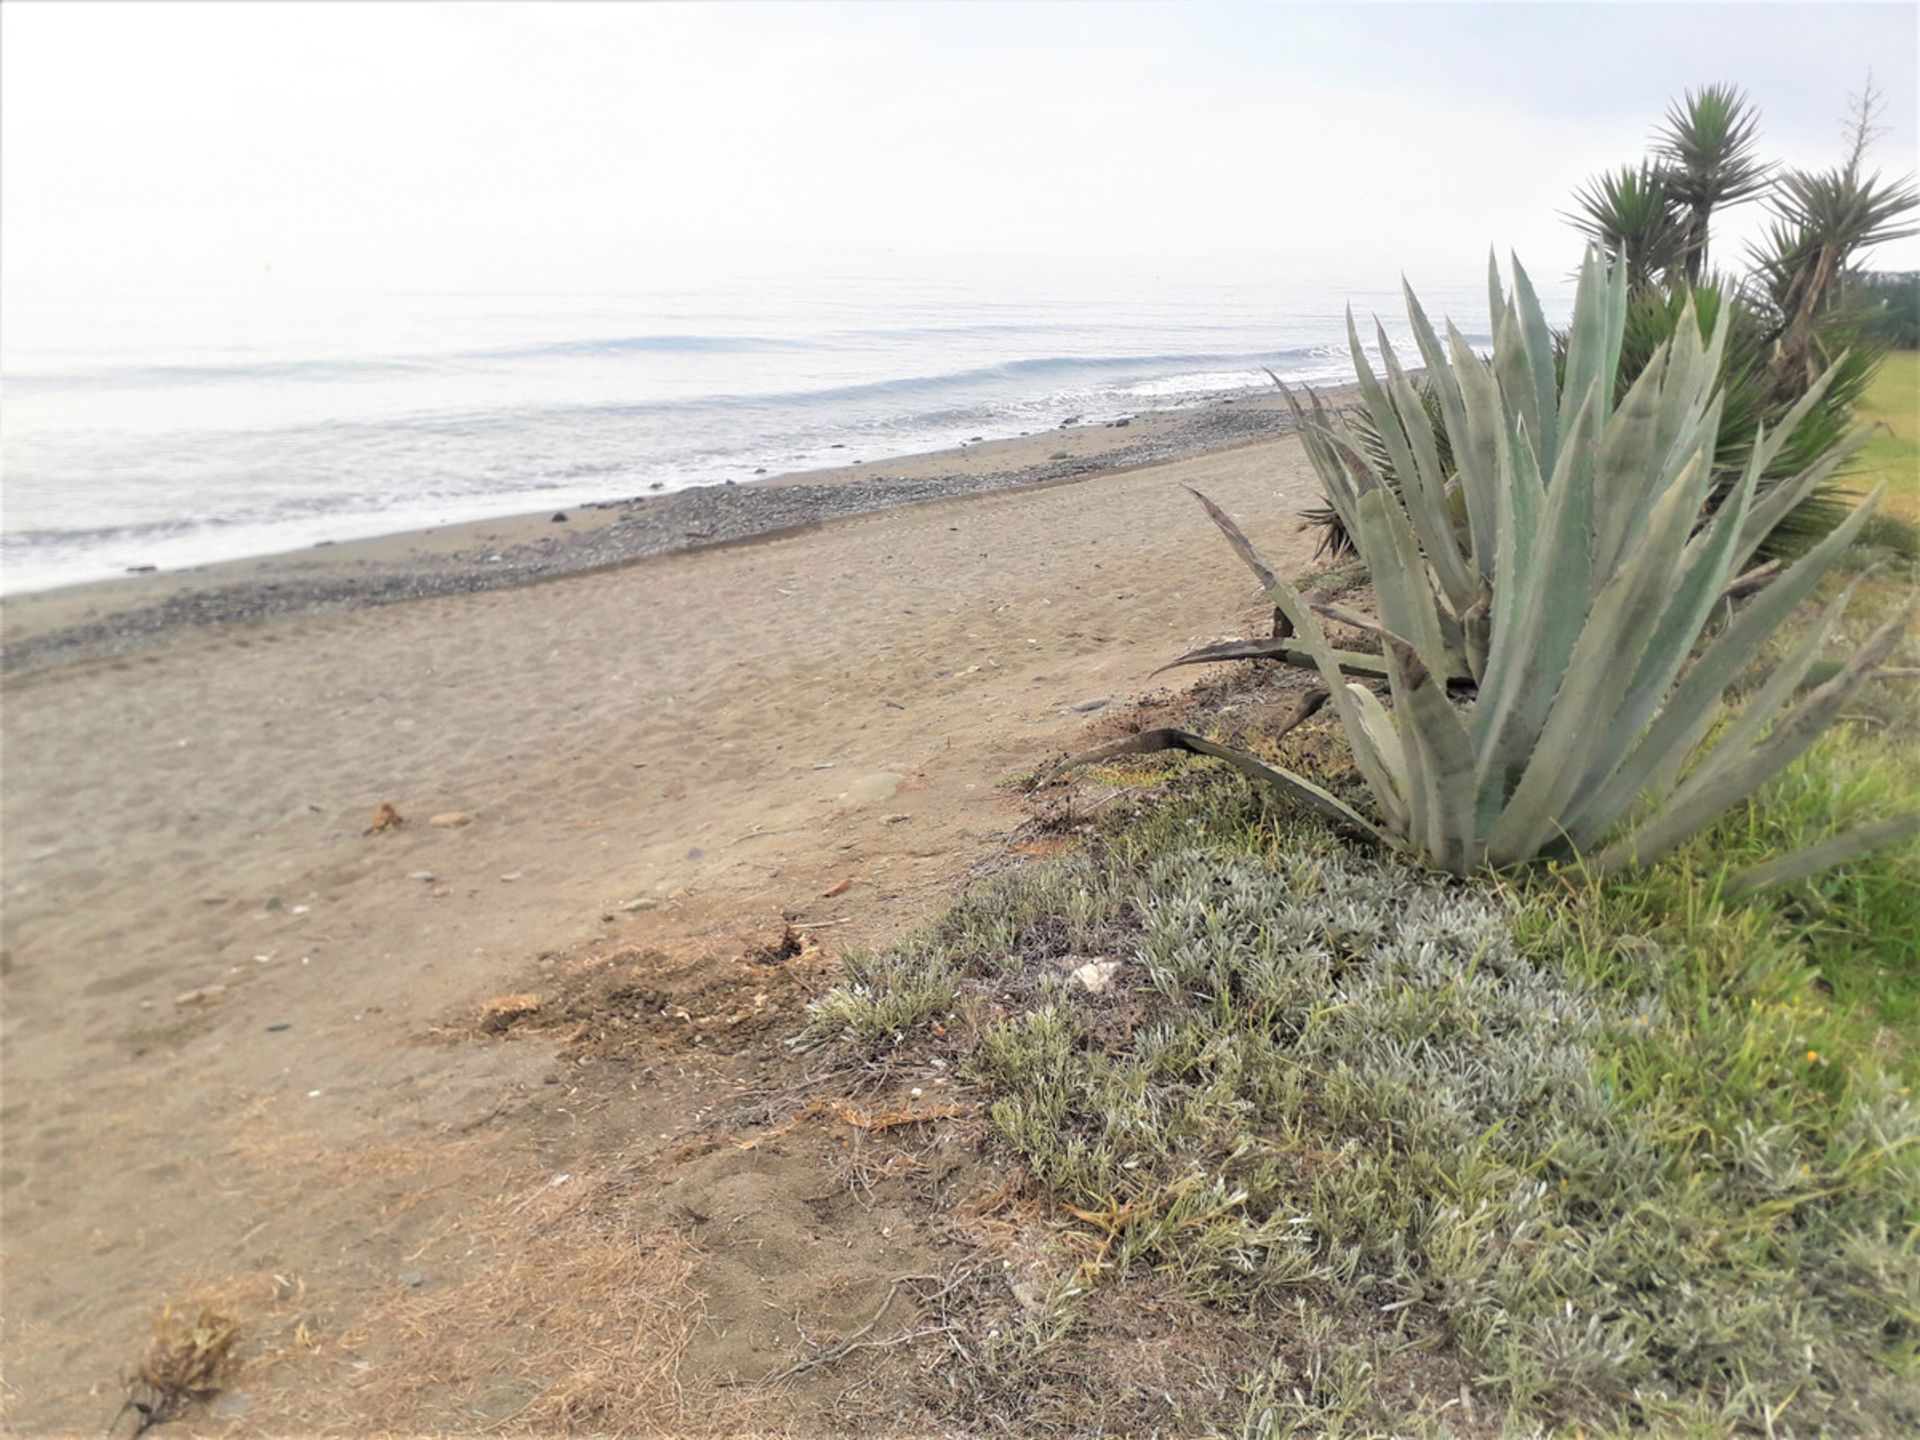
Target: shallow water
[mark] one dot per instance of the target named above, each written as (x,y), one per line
(172,428)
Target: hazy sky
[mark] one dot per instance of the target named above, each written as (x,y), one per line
(507,145)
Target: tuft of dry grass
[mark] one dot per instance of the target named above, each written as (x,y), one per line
(187,1363)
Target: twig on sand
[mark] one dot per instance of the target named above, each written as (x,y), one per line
(847,1345)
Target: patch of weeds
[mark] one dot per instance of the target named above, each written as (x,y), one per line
(881,998)
(1463,1160)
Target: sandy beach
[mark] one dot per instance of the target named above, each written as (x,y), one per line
(240,1057)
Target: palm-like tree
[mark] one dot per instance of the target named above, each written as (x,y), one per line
(1821,220)
(1707,163)
(1633,215)
(1789,319)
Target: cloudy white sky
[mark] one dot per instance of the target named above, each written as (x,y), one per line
(501,144)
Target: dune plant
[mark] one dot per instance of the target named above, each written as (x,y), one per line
(1581,593)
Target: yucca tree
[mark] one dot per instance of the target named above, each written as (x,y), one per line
(1633,216)
(1821,221)
(1705,151)
(1585,593)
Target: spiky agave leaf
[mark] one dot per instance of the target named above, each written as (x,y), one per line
(1598,561)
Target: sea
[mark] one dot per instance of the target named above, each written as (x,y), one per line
(170,427)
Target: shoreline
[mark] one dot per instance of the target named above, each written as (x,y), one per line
(103,619)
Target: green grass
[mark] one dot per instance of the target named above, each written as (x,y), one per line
(1892,457)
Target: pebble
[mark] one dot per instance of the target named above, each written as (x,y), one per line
(201,995)
(425,877)
(898,819)
(559,517)
(413,1278)
(1087,707)
(645,902)
(450,820)
(280,1025)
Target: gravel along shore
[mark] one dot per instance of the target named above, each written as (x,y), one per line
(114,617)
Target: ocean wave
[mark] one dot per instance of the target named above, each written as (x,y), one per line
(368,366)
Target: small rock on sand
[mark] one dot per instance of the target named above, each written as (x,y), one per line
(450,820)
(559,517)
(1087,707)
(201,995)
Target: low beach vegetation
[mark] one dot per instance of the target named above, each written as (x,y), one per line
(1457,1157)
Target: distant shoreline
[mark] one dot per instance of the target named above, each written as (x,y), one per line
(106,618)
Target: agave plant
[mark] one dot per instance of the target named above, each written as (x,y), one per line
(1580,595)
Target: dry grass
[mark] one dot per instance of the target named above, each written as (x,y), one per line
(187,1362)
(576,1323)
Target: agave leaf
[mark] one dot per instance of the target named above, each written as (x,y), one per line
(1785,680)
(1476,484)
(1474,449)
(1439,761)
(1597,675)
(1706,567)
(1272,647)
(1593,342)
(1716,786)
(1535,639)
(1625,472)
(1783,497)
(1513,374)
(1373,765)
(1812,859)
(1538,340)
(1425,488)
(1243,547)
(1405,595)
(1380,729)
(1296,786)
(1689,712)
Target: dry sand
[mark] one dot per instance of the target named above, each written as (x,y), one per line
(226,1075)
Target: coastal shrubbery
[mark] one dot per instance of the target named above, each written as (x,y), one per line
(1460,1159)
(1574,571)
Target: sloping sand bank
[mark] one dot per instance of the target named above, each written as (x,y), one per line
(227,1072)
